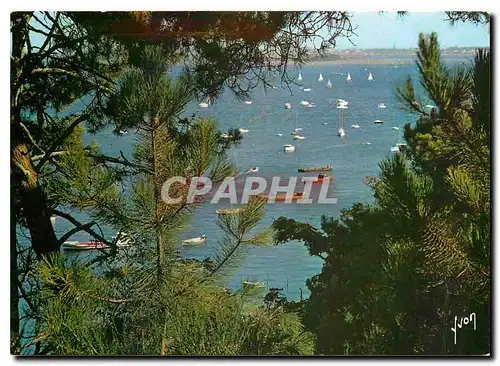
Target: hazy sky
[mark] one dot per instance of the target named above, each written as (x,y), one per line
(383,30)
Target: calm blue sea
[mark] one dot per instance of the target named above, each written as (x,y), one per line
(289,265)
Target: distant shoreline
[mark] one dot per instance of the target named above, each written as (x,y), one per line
(381,60)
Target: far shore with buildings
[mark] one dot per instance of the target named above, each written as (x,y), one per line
(383,56)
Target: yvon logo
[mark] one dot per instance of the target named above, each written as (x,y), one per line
(463,321)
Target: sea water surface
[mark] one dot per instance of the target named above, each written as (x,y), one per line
(289,265)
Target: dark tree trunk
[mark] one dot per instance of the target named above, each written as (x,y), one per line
(14,299)
(33,205)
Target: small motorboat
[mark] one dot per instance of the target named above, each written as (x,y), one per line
(341,132)
(378,121)
(310,105)
(395,128)
(194,241)
(248,102)
(367,143)
(281,197)
(289,148)
(122,240)
(279,134)
(298,129)
(325,123)
(203,105)
(253,169)
(243,130)
(395,149)
(224,136)
(121,132)
(307,89)
(288,106)
(325,168)
(355,126)
(381,106)
(227,211)
(294,133)
(84,245)
(401,146)
(321,178)
(430,106)
(304,102)
(298,137)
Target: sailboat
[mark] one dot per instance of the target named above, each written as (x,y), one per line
(348,78)
(300,77)
(241,129)
(297,128)
(341,132)
(370,77)
(320,79)
(329,84)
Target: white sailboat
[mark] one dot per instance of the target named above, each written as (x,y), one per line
(298,137)
(300,77)
(203,105)
(329,84)
(341,131)
(288,106)
(307,89)
(348,78)
(241,129)
(289,148)
(370,77)
(320,79)
(297,128)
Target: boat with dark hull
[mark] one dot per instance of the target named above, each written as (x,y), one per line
(325,168)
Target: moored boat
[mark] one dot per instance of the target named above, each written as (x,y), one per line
(84,245)
(321,178)
(195,241)
(325,168)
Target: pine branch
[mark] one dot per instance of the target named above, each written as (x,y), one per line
(69,130)
(84,227)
